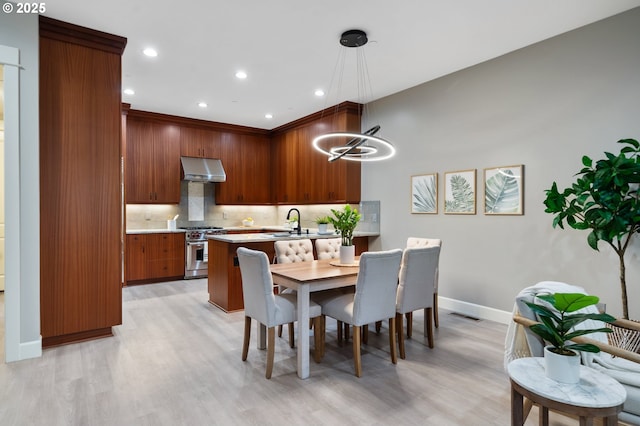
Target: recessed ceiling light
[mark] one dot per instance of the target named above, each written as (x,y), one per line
(129,92)
(202,104)
(150,52)
(319,92)
(241,75)
(268,116)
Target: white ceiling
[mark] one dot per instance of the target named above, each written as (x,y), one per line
(289,48)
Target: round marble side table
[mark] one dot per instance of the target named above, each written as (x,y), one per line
(595,395)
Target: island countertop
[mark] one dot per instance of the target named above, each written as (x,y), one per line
(279,236)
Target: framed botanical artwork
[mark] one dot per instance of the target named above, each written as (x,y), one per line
(424,193)
(460,192)
(504,190)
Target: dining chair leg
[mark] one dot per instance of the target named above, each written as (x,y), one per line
(428,314)
(378,326)
(323,333)
(292,339)
(247,336)
(392,339)
(357,360)
(365,334)
(317,339)
(271,343)
(409,316)
(400,334)
(346,331)
(280,330)
(339,333)
(435,310)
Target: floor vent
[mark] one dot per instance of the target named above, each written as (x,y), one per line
(465,316)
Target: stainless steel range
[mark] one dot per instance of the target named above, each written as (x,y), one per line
(197,255)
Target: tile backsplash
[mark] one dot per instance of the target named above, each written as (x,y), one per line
(197,208)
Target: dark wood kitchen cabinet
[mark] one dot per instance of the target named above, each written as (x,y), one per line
(246,159)
(80,181)
(154,257)
(153,162)
(303,175)
(199,142)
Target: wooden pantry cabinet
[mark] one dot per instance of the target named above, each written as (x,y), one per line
(153,161)
(80,181)
(301,174)
(154,257)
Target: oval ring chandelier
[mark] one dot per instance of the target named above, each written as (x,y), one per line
(358,146)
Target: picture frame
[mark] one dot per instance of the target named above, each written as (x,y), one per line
(460,192)
(424,193)
(504,190)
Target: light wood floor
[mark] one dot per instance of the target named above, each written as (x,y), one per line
(176,360)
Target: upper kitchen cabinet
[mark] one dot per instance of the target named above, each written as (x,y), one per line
(199,142)
(314,178)
(80,180)
(152,162)
(246,159)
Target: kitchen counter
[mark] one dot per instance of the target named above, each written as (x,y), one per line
(154,231)
(280,235)
(224,278)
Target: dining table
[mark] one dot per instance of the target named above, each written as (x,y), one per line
(305,278)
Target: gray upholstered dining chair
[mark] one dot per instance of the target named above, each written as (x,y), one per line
(292,251)
(328,248)
(416,287)
(427,242)
(373,300)
(269,309)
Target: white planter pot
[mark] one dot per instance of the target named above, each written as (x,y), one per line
(562,368)
(347,254)
(322,228)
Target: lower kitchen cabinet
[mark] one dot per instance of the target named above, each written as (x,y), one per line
(154,257)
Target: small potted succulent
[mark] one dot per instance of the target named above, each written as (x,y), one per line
(557,327)
(323,222)
(345,222)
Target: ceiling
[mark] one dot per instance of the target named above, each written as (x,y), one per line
(289,48)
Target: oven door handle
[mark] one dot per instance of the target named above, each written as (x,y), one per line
(196,243)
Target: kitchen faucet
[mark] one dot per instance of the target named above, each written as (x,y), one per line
(299,227)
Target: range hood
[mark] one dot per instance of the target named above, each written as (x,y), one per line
(203,169)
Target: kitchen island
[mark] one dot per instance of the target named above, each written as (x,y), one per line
(225,282)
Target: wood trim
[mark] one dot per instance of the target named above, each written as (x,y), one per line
(48,342)
(193,122)
(87,37)
(348,107)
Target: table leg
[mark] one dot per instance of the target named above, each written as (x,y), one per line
(262,336)
(610,421)
(516,408)
(303,331)
(586,421)
(543,418)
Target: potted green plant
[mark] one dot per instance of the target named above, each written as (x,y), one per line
(345,222)
(322,222)
(557,327)
(605,200)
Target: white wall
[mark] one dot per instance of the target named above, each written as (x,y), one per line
(543,106)
(23,232)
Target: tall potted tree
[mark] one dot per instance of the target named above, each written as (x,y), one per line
(345,222)
(605,200)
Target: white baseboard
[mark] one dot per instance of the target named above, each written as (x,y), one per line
(475,311)
(31,349)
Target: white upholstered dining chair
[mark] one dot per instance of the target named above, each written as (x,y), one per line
(328,248)
(373,300)
(428,242)
(269,309)
(292,251)
(416,287)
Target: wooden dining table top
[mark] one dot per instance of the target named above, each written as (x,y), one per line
(313,271)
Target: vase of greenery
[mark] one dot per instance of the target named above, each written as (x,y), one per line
(322,222)
(345,222)
(557,327)
(605,200)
